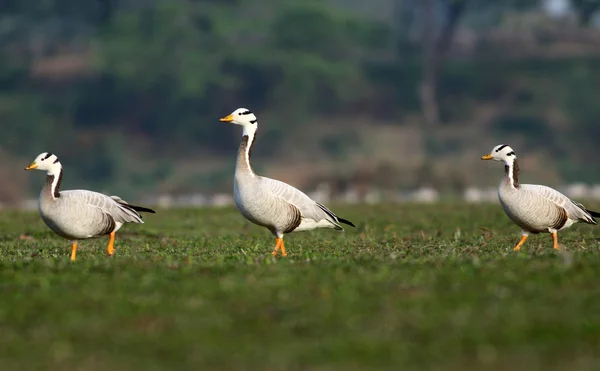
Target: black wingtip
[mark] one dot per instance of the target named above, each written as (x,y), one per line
(142,209)
(346,222)
(595,214)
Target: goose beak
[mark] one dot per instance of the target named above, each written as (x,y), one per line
(32,166)
(228,118)
(487,157)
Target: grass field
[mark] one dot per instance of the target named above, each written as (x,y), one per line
(411,288)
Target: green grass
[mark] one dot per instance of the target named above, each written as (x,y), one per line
(411,288)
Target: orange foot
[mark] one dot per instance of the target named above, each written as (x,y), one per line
(111,244)
(73,251)
(555,239)
(279,245)
(518,247)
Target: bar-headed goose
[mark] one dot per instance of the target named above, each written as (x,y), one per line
(80,214)
(535,208)
(270,203)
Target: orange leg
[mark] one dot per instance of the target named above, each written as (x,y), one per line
(279,245)
(283,253)
(111,244)
(555,239)
(518,247)
(73,251)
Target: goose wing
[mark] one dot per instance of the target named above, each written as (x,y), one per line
(309,209)
(575,210)
(113,206)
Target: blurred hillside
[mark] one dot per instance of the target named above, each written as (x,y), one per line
(391,93)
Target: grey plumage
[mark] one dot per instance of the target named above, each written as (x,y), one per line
(271,203)
(535,208)
(80,214)
(279,206)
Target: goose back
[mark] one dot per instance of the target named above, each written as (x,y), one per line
(281,207)
(537,208)
(271,203)
(80,214)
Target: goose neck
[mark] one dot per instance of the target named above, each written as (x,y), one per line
(511,169)
(53,181)
(243,165)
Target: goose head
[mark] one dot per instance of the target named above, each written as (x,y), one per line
(46,161)
(241,116)
(501,152)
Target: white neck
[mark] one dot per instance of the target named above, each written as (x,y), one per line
(250,132)
(55,171)
(511,173)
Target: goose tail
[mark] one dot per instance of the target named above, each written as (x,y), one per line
(595,214)
(346,222)
(132,207)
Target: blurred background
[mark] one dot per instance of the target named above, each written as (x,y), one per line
(357,100)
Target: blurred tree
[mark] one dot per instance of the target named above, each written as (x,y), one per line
(320,63)
(582,107)
(171,45)
(445,16)
(435,47)
(34,128)
(158,73)
(585,10)
(165,62)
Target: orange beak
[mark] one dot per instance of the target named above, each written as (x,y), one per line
(487,157)
(227,118)
(32,166)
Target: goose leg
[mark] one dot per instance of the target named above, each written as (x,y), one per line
(283,253)
(73,251)
(521,242)
(111,244)
(555,239)
(279,245)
